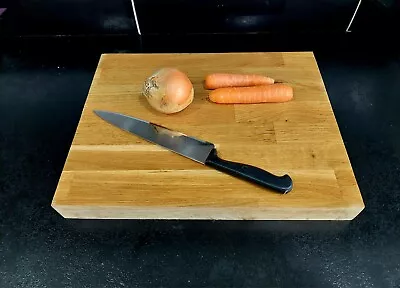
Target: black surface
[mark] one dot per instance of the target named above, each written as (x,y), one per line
(233,16)
(43,86)
(103,17)
(377,16)
(68,17)
(100,17)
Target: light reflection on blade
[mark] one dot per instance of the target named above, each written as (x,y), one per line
(177,142)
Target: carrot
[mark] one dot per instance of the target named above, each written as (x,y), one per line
(256,94)
(219,80)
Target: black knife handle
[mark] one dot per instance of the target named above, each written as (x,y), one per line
(282,184)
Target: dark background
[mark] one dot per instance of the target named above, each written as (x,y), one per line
(48,54)
(103,17)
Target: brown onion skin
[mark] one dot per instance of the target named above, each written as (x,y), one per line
(168,90)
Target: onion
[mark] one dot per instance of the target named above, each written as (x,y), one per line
(168,90)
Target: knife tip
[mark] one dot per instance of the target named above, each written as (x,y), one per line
(99,112)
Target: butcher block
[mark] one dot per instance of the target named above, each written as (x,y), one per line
(110,173)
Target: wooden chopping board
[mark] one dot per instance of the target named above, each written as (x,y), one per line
(110,173)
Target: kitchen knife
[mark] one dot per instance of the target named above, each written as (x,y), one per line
(195,149)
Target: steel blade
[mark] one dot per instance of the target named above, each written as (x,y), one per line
(177,142)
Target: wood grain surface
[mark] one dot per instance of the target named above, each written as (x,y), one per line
(110,173)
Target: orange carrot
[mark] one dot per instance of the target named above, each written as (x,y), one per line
(219,80)
(256,94)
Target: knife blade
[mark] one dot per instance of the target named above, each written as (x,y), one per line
(198,150)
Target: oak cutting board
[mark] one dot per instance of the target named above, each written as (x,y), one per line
(110,173)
